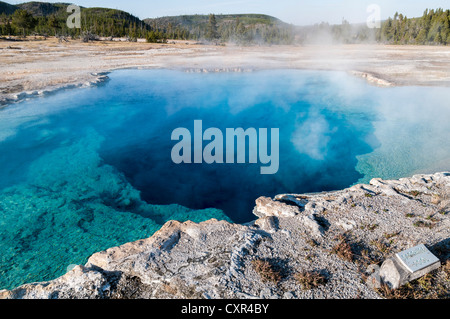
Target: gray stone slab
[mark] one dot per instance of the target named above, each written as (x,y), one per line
(408,265)
(417,258)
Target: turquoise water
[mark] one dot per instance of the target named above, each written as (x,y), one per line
(87,169)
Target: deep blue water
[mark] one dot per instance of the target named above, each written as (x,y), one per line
(83,170)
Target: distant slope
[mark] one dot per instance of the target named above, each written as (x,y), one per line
(111,14)
(7,8)
(43,9)
(37,9)
(239,28)
(243,28)
(99,21)
(193,21)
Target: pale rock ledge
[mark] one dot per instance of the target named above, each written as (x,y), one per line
(295,233)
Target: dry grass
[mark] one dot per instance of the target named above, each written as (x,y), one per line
(434,285)
(401,293)
(381,246)
(414,193)
(312,243)
(343,249)
(310,279)
(421,223)
(169,289)
(433,219)
(446,269)
(391,235)
(266,270)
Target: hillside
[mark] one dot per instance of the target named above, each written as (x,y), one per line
(37,9)
(7,8)
(43,9)
(51,19)
(248,28)
(193,21)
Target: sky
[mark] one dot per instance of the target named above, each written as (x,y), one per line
(298,12)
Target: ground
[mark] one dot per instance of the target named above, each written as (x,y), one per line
(38,65)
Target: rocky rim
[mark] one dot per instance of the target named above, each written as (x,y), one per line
(332,239)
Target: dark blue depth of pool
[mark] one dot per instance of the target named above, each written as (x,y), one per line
(87,169)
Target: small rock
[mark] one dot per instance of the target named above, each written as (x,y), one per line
(288,295)
(298,200)
(383,187)
(266,293)
(195,233)
(374,280)
(311,222)
(267,207)
(267,223)
(346,224)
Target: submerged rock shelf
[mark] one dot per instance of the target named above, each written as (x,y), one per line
(337,236)
(69,206)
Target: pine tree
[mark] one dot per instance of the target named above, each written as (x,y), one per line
(22,19)
(53,24)
(438,38)
(212,33)
(421,37)
(240,31)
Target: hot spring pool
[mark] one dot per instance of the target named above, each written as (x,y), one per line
(87,169)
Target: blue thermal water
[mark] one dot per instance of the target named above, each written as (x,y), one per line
(87,169)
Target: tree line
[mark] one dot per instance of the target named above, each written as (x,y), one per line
(432,28)
(114,23)
(98,22)
(239,29)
